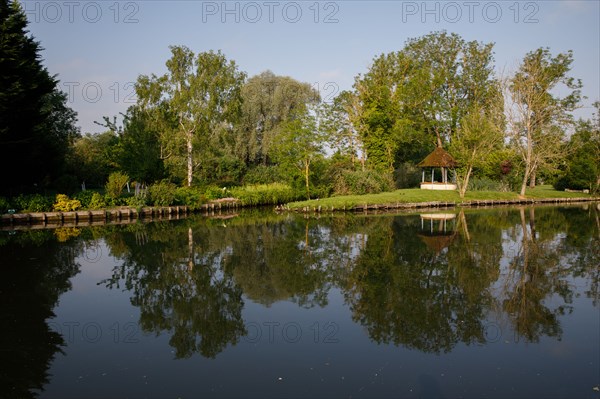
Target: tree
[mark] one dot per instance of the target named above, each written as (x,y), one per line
(268,102)
(37,126)
(300,144)
(478,136)
(537,117)
(137,151)
(93,158)
(583,160)
(195,104)
(338,119)
(415,98)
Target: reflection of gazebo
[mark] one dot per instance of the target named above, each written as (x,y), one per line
(439,158)
(436,234)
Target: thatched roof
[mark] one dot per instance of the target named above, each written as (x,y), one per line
(437,242)
(439,158)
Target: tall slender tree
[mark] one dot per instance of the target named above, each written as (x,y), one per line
(195,104)
(537,115)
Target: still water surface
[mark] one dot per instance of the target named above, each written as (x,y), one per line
(481,303)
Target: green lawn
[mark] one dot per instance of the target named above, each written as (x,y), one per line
(418,195)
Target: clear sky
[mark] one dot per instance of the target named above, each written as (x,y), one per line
(98,48)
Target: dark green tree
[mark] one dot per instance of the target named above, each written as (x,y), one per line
(36,126)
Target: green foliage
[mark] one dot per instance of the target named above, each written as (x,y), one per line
(92,158)
(33,203)
(264,194)
(115,184)
(4,205)
(37,127)
(263,174)
(358,182)
(268,102)
(136,201)
(485,184)
(214,192)
(96,201)
(582,169)
(413,98)
(190,129)
(65,204)
(192,197)
(162,193)
(84,197)
(407,175)
(138,151)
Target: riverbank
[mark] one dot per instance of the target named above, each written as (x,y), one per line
(118,215)
(416,198)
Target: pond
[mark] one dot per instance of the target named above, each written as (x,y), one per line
(498,303)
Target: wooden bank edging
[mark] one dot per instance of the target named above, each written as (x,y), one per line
(122,215)
(436,204)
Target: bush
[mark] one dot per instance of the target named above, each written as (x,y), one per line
(4,205)
(65,204)
(264,194)
(84,197)
(407,176)
(358,182)
(189,196)
(33,203)
(162,193)
(96,202)
(137,201)
(263,174)
(215,192)
(485,184)
(115,184)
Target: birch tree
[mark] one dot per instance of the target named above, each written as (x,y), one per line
(193,104)
(537,115)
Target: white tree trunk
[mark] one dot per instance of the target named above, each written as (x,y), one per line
(190,163)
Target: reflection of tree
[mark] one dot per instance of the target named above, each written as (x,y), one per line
(35,272)
(535,274)
(283,261)
(405,292)
(582,245)
(180,288)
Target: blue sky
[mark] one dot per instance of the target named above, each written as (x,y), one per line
(98,48)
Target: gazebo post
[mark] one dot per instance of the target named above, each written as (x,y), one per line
(423,177)
(432,169)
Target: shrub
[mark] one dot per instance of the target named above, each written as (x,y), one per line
(137,201)
(215,192)
(189,196)
(485,184)
(162,193)
(115,184)
(33,203)
(407,176)
(84,197)
(358,182)
(264,194)
(96,202)
(65,204)
(263,174)
(4,205)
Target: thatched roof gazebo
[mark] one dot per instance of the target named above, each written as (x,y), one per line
(436,238)
(439,158)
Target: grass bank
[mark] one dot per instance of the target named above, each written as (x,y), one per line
(415,195)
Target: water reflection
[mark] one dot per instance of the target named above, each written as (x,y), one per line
(36,270)
(424,282)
